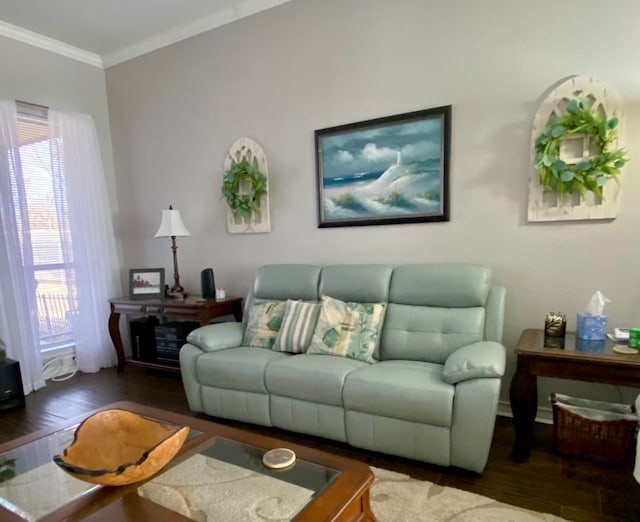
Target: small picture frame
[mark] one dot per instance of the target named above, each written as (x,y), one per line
(146,283)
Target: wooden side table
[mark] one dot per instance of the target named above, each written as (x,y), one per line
(575,359)
(202,310)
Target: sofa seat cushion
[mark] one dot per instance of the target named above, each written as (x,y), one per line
(408,390)
(239,368)
(313,378)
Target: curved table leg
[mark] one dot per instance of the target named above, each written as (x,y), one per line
(523,394)
(116,339)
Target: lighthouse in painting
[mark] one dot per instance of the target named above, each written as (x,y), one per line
(399,158)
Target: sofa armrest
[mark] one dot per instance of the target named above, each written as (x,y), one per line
(219,336)
(475,361)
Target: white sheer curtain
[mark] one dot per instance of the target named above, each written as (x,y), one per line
(75,152)
(18,313)
(85,231)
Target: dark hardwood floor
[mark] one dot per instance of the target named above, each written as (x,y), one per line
(570,488)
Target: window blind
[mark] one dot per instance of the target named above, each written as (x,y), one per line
(41,210)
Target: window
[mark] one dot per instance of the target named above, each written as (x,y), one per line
(40,201)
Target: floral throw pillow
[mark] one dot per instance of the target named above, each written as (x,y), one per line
(348,329)
(265,318)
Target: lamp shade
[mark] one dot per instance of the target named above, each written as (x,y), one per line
(171,225)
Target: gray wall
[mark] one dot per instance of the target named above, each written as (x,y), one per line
(310,64)
(37,76)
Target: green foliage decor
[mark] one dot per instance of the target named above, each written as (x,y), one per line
(586,175)
(244,204)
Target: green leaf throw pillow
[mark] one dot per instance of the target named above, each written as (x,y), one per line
(348,329)
(265,318)
(297,328)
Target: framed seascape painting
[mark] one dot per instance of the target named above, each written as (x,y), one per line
(146,283)
(385,171)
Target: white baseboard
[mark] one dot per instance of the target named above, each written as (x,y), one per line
(543,415)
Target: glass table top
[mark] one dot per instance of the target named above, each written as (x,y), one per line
(569,344)
(228,481)
(33,486)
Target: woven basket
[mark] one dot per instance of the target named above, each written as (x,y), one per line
(606,441)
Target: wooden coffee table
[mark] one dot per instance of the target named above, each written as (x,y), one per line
(340,486)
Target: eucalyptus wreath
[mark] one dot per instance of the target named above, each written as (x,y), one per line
(244,204)
(586,175)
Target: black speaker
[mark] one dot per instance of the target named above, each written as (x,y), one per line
(208,284)
(11,394)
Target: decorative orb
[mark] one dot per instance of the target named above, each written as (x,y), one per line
(117,447)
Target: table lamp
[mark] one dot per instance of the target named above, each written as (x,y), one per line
(172,226)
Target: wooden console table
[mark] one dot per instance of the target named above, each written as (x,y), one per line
(203,310)
(579,360)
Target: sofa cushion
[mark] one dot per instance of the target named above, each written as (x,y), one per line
(265,318)
(430,334)
(317,378)
(287,281)
(297,328)
(408,390)
(442,285)
(360,283)
(239,368)
(347,329)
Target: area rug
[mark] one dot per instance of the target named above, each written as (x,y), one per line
(399,498)
(206,489)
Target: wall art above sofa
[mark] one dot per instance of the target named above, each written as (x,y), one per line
(385,171)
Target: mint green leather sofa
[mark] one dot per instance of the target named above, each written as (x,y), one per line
(432,396)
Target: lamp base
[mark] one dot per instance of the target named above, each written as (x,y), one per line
(175,293)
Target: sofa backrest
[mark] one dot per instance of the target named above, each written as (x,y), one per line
(432,309)
(282,282)
(359,283)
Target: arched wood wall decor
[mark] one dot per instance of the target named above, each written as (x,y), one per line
(547,206)
(258,222)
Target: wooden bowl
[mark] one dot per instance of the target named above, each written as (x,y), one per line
(118,447)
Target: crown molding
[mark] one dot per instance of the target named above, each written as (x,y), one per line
(49,44)
(182,32)
(177,34)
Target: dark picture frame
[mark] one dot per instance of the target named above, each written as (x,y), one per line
(385,171)
(146,283)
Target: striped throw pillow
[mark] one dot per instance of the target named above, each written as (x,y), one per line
(298,324)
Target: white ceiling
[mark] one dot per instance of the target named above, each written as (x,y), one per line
(107,32)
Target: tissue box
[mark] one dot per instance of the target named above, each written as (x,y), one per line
(591,327)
